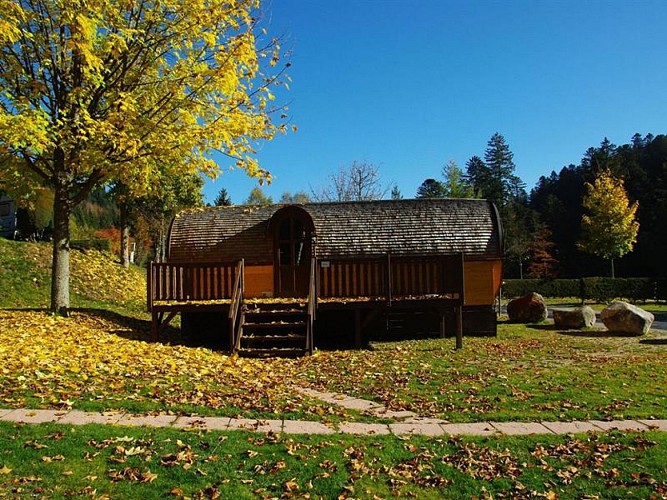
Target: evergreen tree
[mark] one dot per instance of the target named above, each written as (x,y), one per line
(477,175)
(396,193)
(431,188)
(503,186)
(223,199)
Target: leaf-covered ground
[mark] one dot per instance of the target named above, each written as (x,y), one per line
(55,461)
(526,373)
(97,360)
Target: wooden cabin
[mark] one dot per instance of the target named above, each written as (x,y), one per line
(291,276)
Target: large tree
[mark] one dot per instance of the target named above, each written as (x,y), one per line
(503,186)
(110,90)
(494,179)
(609,229)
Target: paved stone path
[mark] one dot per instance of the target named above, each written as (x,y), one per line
(413,425)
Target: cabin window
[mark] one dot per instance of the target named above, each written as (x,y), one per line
(4,210)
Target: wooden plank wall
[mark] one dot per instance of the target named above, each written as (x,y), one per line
(258,281)
(482,280)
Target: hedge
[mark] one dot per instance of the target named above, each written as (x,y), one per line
(591,289)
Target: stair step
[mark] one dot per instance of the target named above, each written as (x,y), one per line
(281,312)
(272,338)
(272,326)
(271,353)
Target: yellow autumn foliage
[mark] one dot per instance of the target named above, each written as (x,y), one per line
(609,228)
(100,356)
(131,92)
(97,276)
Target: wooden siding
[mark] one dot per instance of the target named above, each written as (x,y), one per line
(482,282)
(258,282)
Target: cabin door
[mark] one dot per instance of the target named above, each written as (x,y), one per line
(292,257)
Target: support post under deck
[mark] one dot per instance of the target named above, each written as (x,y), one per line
(442,325)
(459,327)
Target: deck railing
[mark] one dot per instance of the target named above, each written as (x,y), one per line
(235,309)
(181,282)
(388,277)
(392,277)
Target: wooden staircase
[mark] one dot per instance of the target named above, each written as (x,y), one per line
(396,323)
(274,330)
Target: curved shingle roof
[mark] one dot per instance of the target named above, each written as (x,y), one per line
(345,229)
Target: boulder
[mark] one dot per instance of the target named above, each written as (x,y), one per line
(574,317)
(530,308)
(625,318)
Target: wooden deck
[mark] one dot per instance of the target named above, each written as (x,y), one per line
(366,286)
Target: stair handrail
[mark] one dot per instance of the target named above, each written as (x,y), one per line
(312,304)
(235,309)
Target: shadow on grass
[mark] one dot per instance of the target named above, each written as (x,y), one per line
(132,328)
(597,334)
(662,341)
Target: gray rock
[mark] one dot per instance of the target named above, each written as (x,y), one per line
(626,318)
(530,308)
(574,317)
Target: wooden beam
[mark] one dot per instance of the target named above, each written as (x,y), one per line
(154,325)
(442,324)
(459,327)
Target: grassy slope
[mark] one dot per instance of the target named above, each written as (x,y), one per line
(96,279)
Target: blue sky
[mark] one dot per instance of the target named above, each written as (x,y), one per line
(410,84)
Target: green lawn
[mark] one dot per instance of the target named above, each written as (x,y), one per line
(52,461)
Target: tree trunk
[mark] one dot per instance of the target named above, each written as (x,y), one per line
(124,235)
(60,269)
(613,274)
